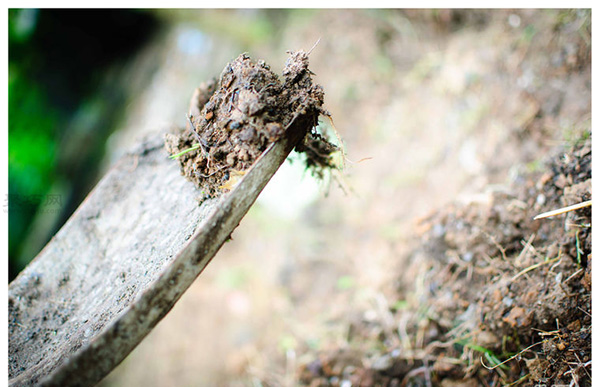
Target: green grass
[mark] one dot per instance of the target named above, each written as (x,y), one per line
(489,355)
(193,148)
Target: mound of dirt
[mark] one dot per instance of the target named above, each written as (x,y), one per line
(503,299)
(232,122)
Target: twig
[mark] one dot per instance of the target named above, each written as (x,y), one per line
(359,161)
(573,275)
(527,246)
(582,365)
(498,246)
(564,210)
(193,127)
(313,47)
(584,312)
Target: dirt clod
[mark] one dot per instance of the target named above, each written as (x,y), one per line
(234,120)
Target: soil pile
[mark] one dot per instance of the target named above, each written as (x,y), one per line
(232,122)
(502,298)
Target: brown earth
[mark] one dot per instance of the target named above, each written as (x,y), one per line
(233,122)
(504,298)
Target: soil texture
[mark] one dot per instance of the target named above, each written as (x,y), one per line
(505,298)
(234,120)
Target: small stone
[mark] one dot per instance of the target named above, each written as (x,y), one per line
(541,199)
(383,363)
(561,181)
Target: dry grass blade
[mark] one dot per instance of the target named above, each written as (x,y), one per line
(532,267)
(563,210)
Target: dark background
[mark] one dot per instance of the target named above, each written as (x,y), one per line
(61,112)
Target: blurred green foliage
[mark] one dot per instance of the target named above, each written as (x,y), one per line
(246,26)
(61,111)
(31,130)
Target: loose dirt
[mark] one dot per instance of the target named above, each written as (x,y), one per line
(504,298)
(232,122)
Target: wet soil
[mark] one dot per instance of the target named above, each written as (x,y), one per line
(234,120)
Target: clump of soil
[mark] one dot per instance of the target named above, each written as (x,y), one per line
(234,120)
(504,298)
